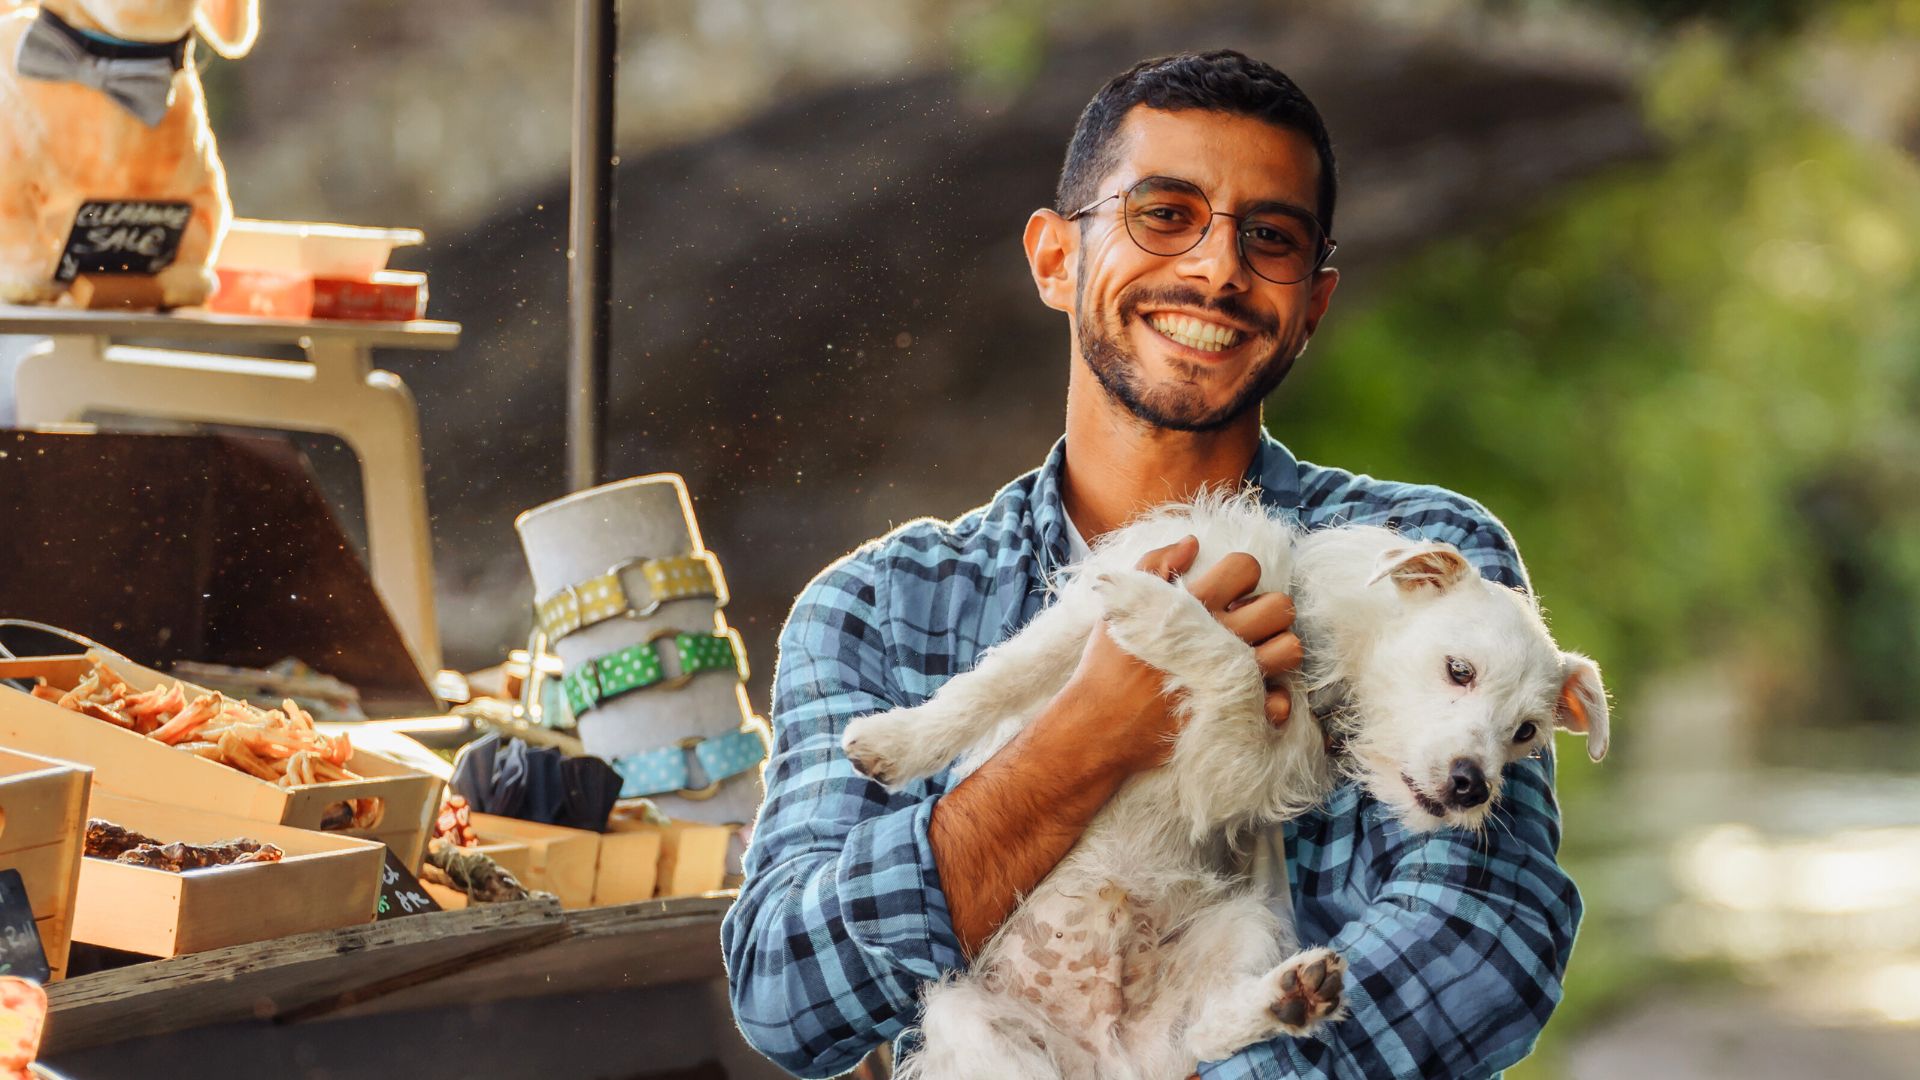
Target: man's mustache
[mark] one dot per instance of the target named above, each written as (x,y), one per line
(1232,307)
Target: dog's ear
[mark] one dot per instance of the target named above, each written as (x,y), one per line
(1582,706)
(229,25)
(1430,565)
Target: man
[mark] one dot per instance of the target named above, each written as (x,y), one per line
(1188,249)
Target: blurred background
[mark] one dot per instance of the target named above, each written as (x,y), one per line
(1640,275)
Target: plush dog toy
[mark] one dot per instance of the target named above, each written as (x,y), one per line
(99,99)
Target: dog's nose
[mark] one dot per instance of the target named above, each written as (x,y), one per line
(1469,785)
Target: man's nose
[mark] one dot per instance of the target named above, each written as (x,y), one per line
(1217,256)
(1469,785)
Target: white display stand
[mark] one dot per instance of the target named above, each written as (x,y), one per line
(335,391)
(582,536)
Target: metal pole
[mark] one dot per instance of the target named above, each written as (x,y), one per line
(590,231)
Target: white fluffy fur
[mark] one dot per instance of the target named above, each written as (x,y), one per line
(1137,956)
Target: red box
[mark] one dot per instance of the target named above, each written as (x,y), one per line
(386,296)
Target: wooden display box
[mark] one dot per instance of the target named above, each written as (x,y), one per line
(639,861)
(133,765)
(325,881)
(43,808)
(558,860)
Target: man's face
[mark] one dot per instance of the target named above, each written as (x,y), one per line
(1131,307)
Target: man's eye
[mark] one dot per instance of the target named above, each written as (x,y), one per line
(1459,671)
(1525,732)
(1269,237)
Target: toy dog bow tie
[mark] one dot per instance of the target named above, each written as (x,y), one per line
(137,75)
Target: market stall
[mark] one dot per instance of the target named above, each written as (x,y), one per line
(237,784)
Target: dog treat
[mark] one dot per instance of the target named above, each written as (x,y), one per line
(106,840)
(483,880)
(455,822)
(279,746)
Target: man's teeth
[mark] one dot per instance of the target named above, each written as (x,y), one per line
(1196,334)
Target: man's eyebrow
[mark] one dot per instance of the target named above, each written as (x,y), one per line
(1278,204)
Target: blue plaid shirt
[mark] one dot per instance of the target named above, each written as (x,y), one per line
(1457,943)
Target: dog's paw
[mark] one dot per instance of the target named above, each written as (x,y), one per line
(887,747)
(1306,990)
(1140,610)
(29,291)
(186,286)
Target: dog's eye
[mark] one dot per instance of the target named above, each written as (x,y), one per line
(1459,671)
(1525,732)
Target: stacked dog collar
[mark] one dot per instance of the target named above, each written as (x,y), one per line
(612,594)
(669,659)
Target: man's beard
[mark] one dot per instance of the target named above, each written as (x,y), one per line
(1182,405)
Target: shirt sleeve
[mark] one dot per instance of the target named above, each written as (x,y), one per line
(840,917)
(1456,960)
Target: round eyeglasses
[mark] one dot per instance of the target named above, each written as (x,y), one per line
(1168,216)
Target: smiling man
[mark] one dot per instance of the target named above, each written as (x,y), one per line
(1188,250)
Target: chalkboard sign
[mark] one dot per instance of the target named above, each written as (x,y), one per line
(401,892)
(123,236)
(21,953)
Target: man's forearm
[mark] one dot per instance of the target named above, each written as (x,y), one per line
(1004,828)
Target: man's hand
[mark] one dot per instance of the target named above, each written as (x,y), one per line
(1129,695)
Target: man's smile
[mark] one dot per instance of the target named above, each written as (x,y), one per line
(1193,337)
(1194,332)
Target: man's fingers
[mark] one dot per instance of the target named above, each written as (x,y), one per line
(1231,578)
(1279,707)
(1258,618)
(1171,560)
(1278,655)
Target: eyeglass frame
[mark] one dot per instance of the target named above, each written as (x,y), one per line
(1327,243)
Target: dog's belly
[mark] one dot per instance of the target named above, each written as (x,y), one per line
(1088,956)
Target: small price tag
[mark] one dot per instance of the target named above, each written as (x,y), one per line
(21,953)
(401,892)
(123,236)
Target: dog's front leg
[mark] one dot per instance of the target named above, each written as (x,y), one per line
(29,249)
(190,279)
(1164,625)
(1009,684)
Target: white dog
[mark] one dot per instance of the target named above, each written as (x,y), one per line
(1137,957)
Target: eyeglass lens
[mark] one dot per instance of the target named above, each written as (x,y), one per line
(1169,217)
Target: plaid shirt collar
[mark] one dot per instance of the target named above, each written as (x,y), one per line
(1273,469)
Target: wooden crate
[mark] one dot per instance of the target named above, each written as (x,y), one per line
(693,857)
(324,882)
(43,810)
(629,865)
(129,764)
(639,861)
(559,860)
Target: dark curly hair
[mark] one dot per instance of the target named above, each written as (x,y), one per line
(1219,81)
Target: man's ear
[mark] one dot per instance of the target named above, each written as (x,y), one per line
(1051,242)
(1432,565)
(1325,280)
(1582,707)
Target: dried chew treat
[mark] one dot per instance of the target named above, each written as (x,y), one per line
(180,857)
(105,840)
(281,746)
